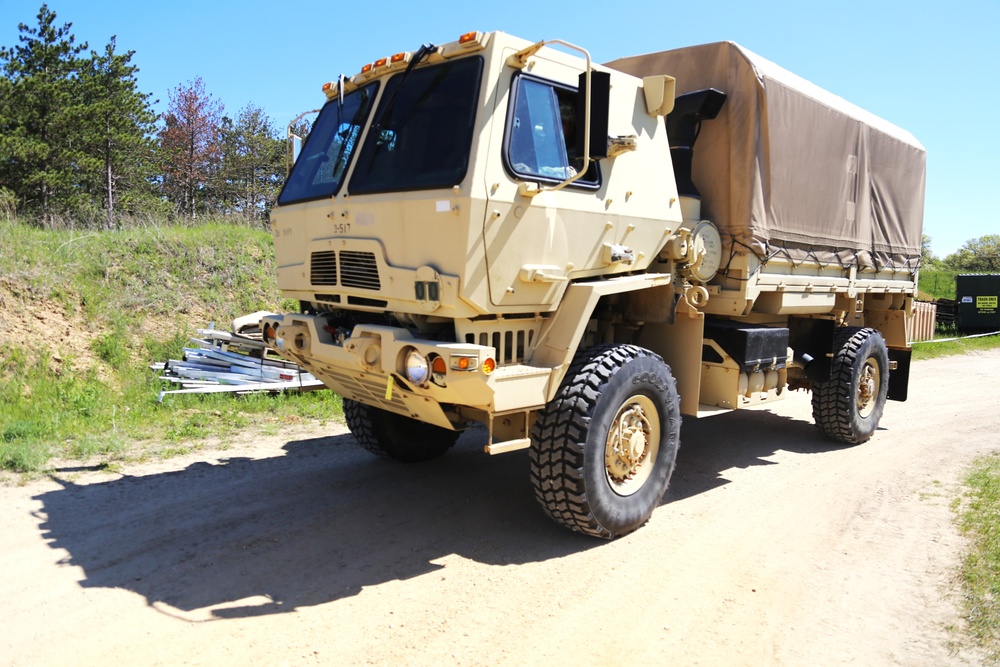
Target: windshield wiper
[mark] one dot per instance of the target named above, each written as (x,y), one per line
(386,113)
(346,140)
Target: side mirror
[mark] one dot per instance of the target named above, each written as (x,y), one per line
(600,104)
(293,143)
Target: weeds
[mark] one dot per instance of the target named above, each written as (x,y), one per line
(107,304)
(937,284)
(979,519)
(947,348)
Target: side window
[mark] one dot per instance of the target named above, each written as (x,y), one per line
(540,133)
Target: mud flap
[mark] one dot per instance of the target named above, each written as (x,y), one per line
(899,377)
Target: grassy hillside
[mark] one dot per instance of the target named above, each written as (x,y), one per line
(83,315)
(935,285)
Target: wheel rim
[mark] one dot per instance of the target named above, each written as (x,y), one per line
(868,387)
(632,445)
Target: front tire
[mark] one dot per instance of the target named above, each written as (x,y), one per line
(396,437)
(604,448)
(849,406)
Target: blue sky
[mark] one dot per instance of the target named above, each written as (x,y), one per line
(929,67)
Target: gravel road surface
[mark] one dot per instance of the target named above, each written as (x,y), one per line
(773,546)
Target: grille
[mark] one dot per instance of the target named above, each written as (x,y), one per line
(323,268)
(514,340)
(359,269)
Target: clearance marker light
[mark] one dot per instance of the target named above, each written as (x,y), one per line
(327,86)
(381,62)
(464,362)
(398,58)
(489,366)
(367,68)
(468,37)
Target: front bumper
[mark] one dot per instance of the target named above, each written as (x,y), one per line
(369,366)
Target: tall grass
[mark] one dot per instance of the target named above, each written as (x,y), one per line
(942,347)
(222,269)
(979,518)
(935,285)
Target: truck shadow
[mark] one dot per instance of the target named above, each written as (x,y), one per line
(740,439)
(245,537)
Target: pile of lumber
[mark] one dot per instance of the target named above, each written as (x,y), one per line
(227,362)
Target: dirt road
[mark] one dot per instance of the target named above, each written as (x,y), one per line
(772,547)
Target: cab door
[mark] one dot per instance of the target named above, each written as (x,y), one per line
(533,244)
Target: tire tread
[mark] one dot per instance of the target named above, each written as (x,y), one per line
(832,401)
(560,432)
(391,436)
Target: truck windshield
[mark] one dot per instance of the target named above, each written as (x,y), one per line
(424,133)
(328,150)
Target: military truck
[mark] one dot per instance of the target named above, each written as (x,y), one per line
(499,232)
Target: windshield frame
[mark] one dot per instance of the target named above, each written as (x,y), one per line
(302,185)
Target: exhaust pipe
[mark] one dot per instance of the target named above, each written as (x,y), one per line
(683,125)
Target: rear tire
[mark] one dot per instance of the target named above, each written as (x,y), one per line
(604,448)
(849,406)
(394,436)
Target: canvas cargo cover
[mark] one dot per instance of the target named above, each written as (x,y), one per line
(789,168)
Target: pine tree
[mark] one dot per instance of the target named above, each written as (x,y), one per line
(252,164)
(119,132)
(40,145)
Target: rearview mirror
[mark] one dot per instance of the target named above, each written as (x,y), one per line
(600,103)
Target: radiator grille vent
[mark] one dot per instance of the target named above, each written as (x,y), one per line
(356,269)
(323,268)
(513,339)
(359,269)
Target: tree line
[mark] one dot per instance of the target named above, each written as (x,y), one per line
(81,145)
(978,255)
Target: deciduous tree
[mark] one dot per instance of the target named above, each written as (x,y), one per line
(981,255)
(928,259)
(190,147)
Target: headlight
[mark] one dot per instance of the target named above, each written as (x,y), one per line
(416,367)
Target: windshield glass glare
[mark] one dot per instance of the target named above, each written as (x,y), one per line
(425,124)
(323,160)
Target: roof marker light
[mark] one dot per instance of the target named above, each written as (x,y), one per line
(381,62)
(468,37)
